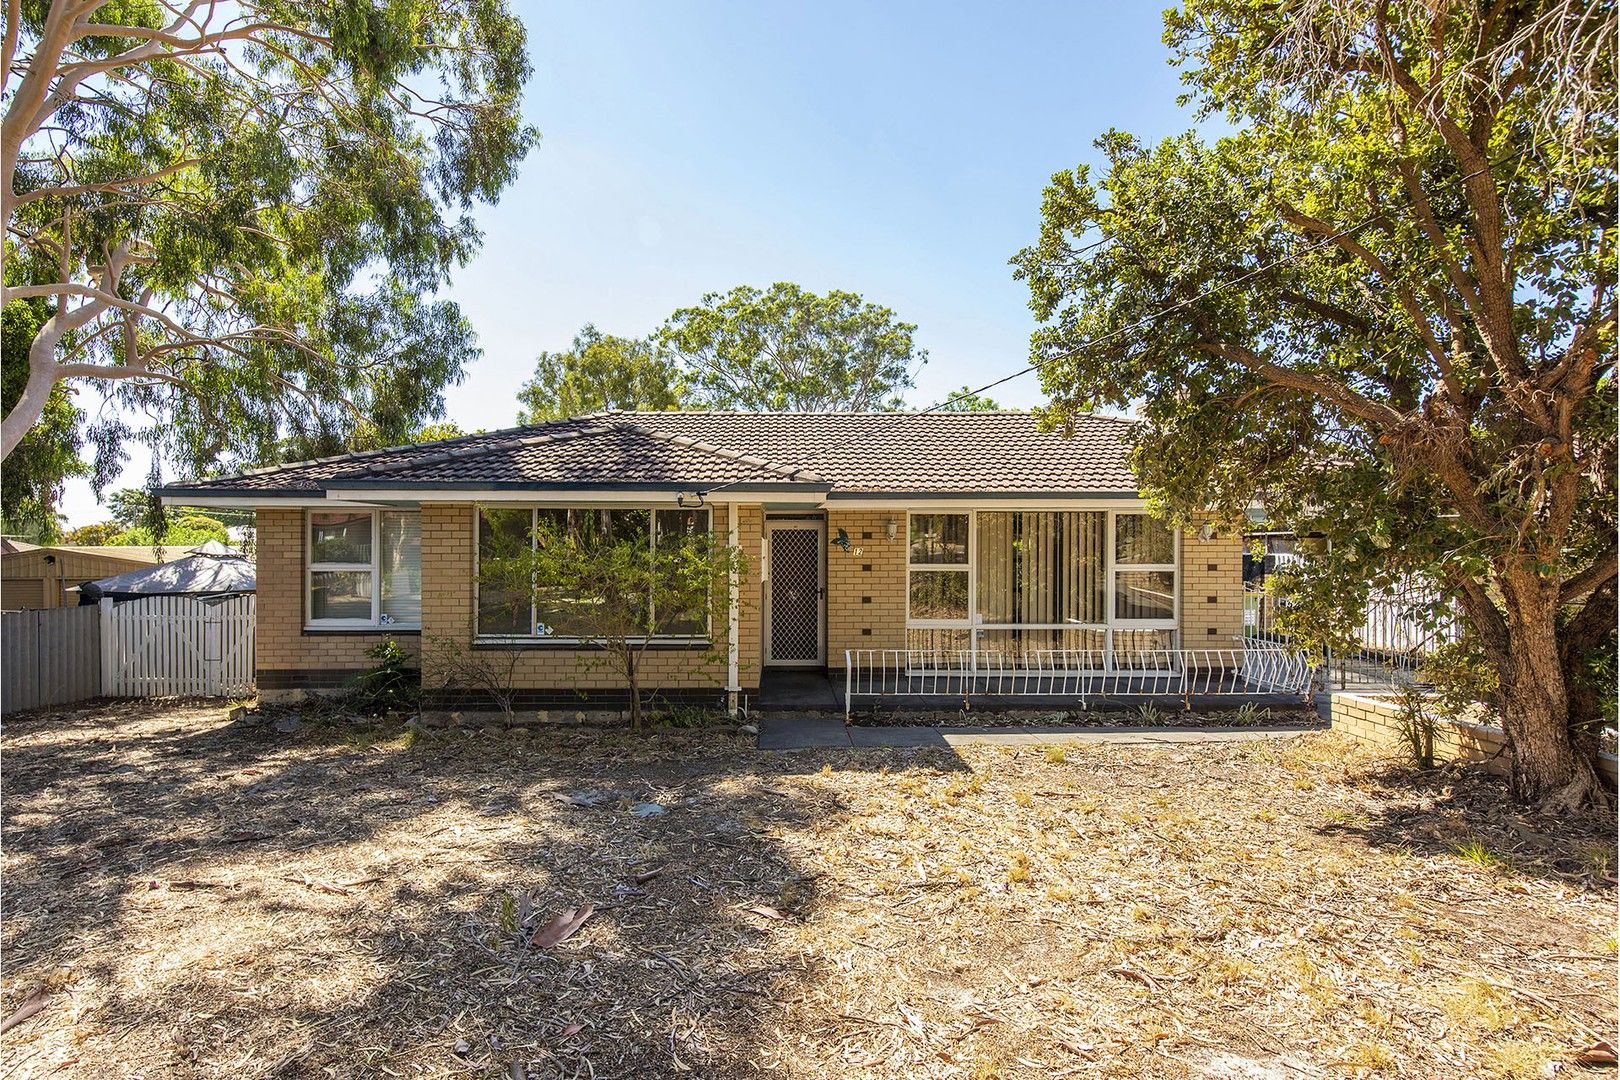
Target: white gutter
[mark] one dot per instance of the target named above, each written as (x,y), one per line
(534,496)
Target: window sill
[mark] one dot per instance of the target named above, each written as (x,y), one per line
(325,631)
(540,645)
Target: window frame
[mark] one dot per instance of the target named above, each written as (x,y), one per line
(705,638)
(1110,571)
(964,567)
(1116,568)
(374,568)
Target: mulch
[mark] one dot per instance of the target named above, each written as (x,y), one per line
(190,896)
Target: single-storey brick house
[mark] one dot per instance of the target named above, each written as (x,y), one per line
(966,533)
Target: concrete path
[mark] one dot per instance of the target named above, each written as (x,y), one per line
(808,731)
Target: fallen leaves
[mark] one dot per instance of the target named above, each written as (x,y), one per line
(562,926)
(1600,1053)
(31,1005)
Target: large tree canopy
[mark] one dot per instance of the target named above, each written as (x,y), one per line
(1384,306)
(601,371)
(787,349)
(238,214)
(781,350)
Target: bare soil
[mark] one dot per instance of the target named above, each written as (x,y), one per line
(190,896)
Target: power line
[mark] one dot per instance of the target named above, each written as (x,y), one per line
(1213,290)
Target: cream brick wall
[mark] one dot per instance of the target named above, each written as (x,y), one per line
(448,569)
(287,655)
(866,604)
(1211,591)
(866,592)
(1377,721)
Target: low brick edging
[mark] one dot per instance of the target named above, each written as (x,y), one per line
(1377,721)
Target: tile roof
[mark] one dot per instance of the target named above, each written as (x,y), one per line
(844,453)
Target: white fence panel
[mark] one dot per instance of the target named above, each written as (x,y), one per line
(165,646)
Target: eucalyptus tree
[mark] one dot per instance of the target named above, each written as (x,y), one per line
(788,349)
(600,371)
(1385,306)
(239,214)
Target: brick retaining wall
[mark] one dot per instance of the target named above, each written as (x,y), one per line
(1377,721)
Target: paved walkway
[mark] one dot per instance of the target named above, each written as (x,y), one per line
(809,731)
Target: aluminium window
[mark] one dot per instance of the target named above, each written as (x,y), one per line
(534,609)
(1005,583)
(364,569)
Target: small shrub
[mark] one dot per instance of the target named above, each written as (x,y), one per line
(691,716)
(1056,755)
(1417,727)
(389,685)
(1249,714)
(1149,713)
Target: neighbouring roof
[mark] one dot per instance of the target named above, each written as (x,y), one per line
(837,453)
(195,575)
(132,552)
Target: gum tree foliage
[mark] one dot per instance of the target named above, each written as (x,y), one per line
(600,371)
(1385,306)
(965,400)
(604,582)
(31,482)
(237,215)
(787,349)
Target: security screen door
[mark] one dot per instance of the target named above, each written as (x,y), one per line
(795,600)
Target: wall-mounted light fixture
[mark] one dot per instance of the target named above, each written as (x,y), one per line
(891,528)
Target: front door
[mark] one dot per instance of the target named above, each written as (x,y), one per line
(795,601)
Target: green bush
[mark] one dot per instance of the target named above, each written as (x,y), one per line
(389,686)
(1463,680)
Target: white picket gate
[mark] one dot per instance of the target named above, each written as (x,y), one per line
(177,645)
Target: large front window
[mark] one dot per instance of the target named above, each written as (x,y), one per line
(365,569)
(1005,584)
(525,608)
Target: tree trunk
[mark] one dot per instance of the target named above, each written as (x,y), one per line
(1547,766)
(631,681)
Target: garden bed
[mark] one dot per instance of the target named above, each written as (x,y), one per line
(1107,715)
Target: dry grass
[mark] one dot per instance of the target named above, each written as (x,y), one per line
(192,897)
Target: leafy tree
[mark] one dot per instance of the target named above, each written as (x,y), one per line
(601,371)
(96,535)
(435,432)
(1386,307)
(31,483)
(185,531)
(130,507)
(789,349)
(237,215)
(965,400)
(610,589)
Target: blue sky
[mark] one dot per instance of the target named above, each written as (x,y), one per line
(894,150)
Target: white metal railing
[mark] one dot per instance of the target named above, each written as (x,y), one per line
(1076,673)
(1397,630)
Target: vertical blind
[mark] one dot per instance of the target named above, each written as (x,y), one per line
(1042,567)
